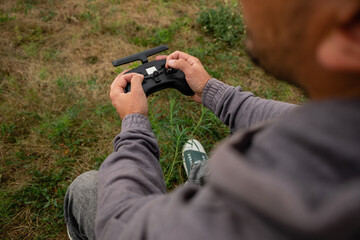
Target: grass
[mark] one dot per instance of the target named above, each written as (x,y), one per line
(56,119)
(222,23)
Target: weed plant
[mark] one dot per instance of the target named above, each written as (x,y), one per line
(223,23)
(56,119)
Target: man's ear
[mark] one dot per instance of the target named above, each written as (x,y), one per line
(339,51)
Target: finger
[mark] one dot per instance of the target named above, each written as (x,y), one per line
(136,84)
(127,79)
(121,81)
(122,73)
(181,55)
(129,76)
(161,57)
(196,98)
(114,91)
(173,56)
(179,64)
(178,55)
(125,71)
(115,81)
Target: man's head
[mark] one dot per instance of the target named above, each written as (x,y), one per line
(314,44)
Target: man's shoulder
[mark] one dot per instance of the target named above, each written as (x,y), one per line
(286,169)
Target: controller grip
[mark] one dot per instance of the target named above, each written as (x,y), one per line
(184,88)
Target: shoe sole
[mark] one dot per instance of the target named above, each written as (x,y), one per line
(193,145)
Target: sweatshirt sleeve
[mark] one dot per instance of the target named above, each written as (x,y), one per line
(129,178)
(238,109)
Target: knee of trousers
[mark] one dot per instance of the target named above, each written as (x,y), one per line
(82,191)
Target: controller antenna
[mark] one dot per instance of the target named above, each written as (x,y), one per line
(142,56)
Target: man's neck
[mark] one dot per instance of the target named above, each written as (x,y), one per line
(332,88)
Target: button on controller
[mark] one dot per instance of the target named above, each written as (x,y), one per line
(156,76)
(170,70)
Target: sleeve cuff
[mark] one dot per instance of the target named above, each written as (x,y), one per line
(212,93)
(135,121)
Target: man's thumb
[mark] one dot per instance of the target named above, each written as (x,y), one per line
(179,64)
(136,83)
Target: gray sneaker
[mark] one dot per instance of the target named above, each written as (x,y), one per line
(193,153)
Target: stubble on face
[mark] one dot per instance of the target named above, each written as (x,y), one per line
(275,49)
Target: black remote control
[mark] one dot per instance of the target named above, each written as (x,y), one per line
(156,76)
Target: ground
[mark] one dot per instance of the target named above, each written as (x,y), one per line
(56,119)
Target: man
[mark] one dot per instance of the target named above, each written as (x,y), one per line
(287,172)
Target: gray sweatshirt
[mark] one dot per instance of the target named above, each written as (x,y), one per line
(286,173)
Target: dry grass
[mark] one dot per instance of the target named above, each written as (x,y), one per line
(55,116)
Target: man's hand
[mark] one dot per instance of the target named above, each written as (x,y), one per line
(195,74)
(132,102)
